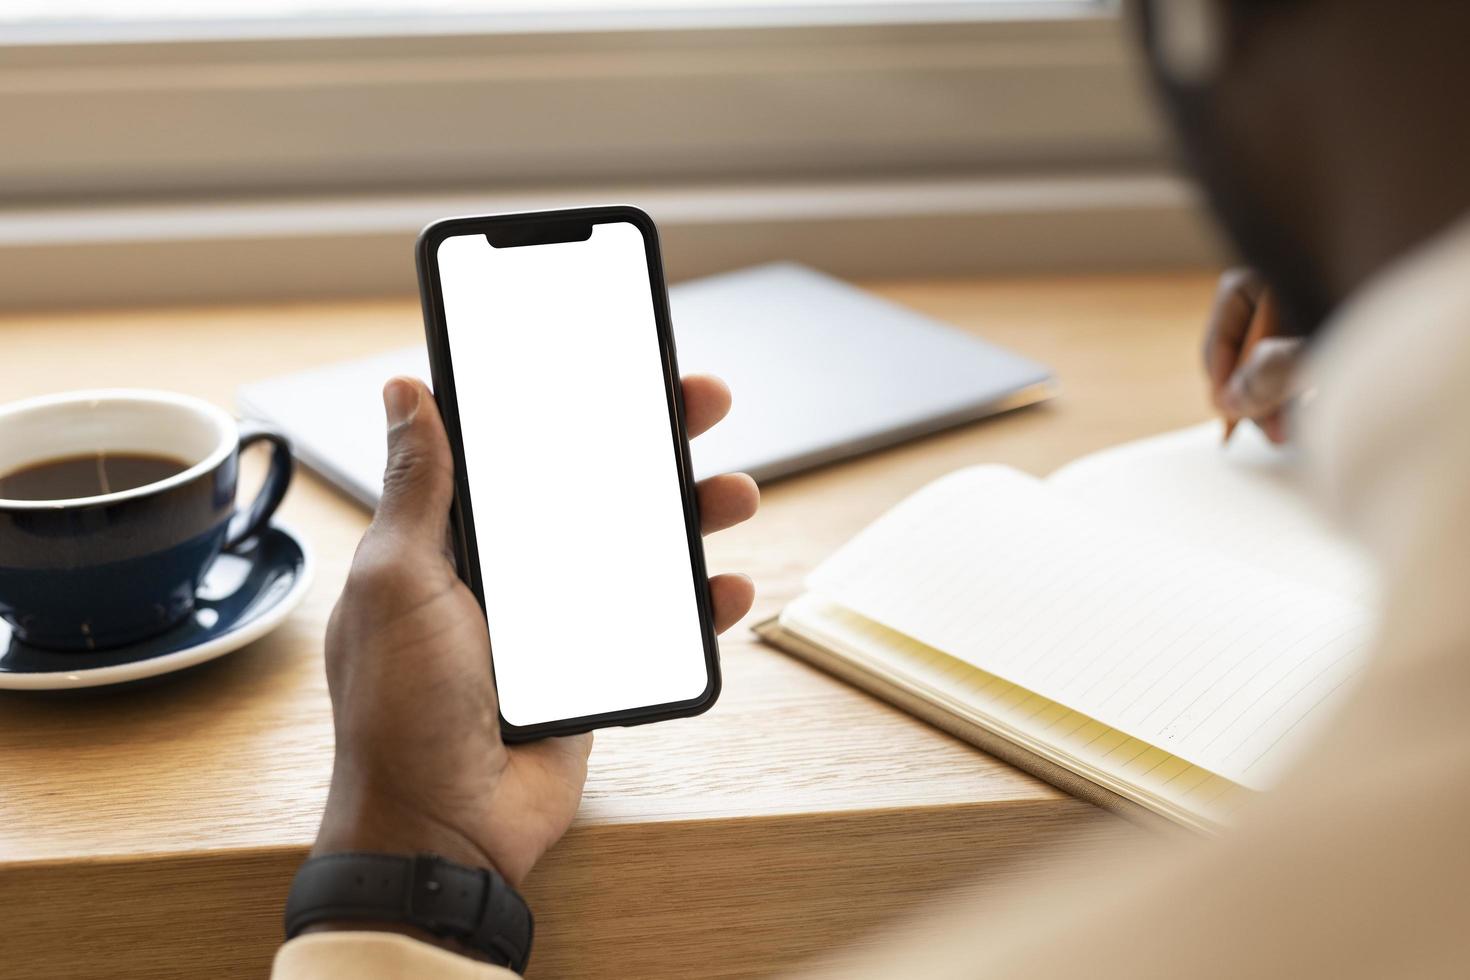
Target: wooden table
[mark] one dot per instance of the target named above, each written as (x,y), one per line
(153,832)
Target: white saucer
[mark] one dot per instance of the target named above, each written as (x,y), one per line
(245,594)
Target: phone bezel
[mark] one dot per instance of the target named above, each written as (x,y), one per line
(462,517)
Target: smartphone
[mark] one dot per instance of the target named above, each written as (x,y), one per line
(575,519)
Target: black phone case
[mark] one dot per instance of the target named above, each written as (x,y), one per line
(530,229)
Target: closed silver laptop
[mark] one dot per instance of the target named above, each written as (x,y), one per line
(820,371)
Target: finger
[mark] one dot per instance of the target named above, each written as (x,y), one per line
(732,596)
(1266,381)
(1274,426)
(1230,320)
(706,401)
(419,480)
(725,501)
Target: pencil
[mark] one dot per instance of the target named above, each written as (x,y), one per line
(1261,322)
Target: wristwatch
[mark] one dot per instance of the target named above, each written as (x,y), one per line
(472,906)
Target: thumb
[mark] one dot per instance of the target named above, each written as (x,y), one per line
(418,483)
(1265,381)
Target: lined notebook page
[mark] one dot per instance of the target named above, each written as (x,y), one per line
(1129,767)
(1247,501)
(1225,665)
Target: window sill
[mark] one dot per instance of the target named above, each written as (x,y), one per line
(362,245)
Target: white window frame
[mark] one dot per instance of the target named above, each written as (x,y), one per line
(257,154)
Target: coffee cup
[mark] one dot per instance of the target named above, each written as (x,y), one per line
(113,504)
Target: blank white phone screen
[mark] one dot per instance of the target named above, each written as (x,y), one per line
(574,484)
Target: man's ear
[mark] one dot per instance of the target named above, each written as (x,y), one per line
(1188,39)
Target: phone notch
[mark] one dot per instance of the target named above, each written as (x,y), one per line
(515,235)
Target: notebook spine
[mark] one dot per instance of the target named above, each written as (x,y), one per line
(771,632)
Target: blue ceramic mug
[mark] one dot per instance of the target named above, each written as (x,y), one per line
(110,568)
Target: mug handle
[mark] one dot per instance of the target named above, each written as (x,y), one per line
(251,519)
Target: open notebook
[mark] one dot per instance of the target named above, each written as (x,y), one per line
(1157,627)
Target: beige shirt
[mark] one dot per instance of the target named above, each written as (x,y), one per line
(1359,864)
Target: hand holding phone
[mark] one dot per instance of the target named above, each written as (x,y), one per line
(420,763)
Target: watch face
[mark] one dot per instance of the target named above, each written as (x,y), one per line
(474,907)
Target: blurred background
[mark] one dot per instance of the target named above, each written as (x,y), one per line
(163,150)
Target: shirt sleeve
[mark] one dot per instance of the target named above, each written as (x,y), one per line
(375,956)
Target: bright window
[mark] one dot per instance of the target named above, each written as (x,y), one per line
(165,19)
(148,137)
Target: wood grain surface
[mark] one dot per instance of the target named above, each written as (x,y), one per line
(152,832)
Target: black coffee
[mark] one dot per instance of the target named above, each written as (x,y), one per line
(89,475)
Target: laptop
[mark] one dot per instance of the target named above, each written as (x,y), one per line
(820,371)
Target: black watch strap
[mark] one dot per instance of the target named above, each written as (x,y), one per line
(473,906)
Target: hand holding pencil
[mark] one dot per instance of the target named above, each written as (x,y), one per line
(1251,366)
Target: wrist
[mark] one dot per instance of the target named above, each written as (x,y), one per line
(364,821)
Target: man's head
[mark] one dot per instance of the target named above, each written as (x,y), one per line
(1328,134)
